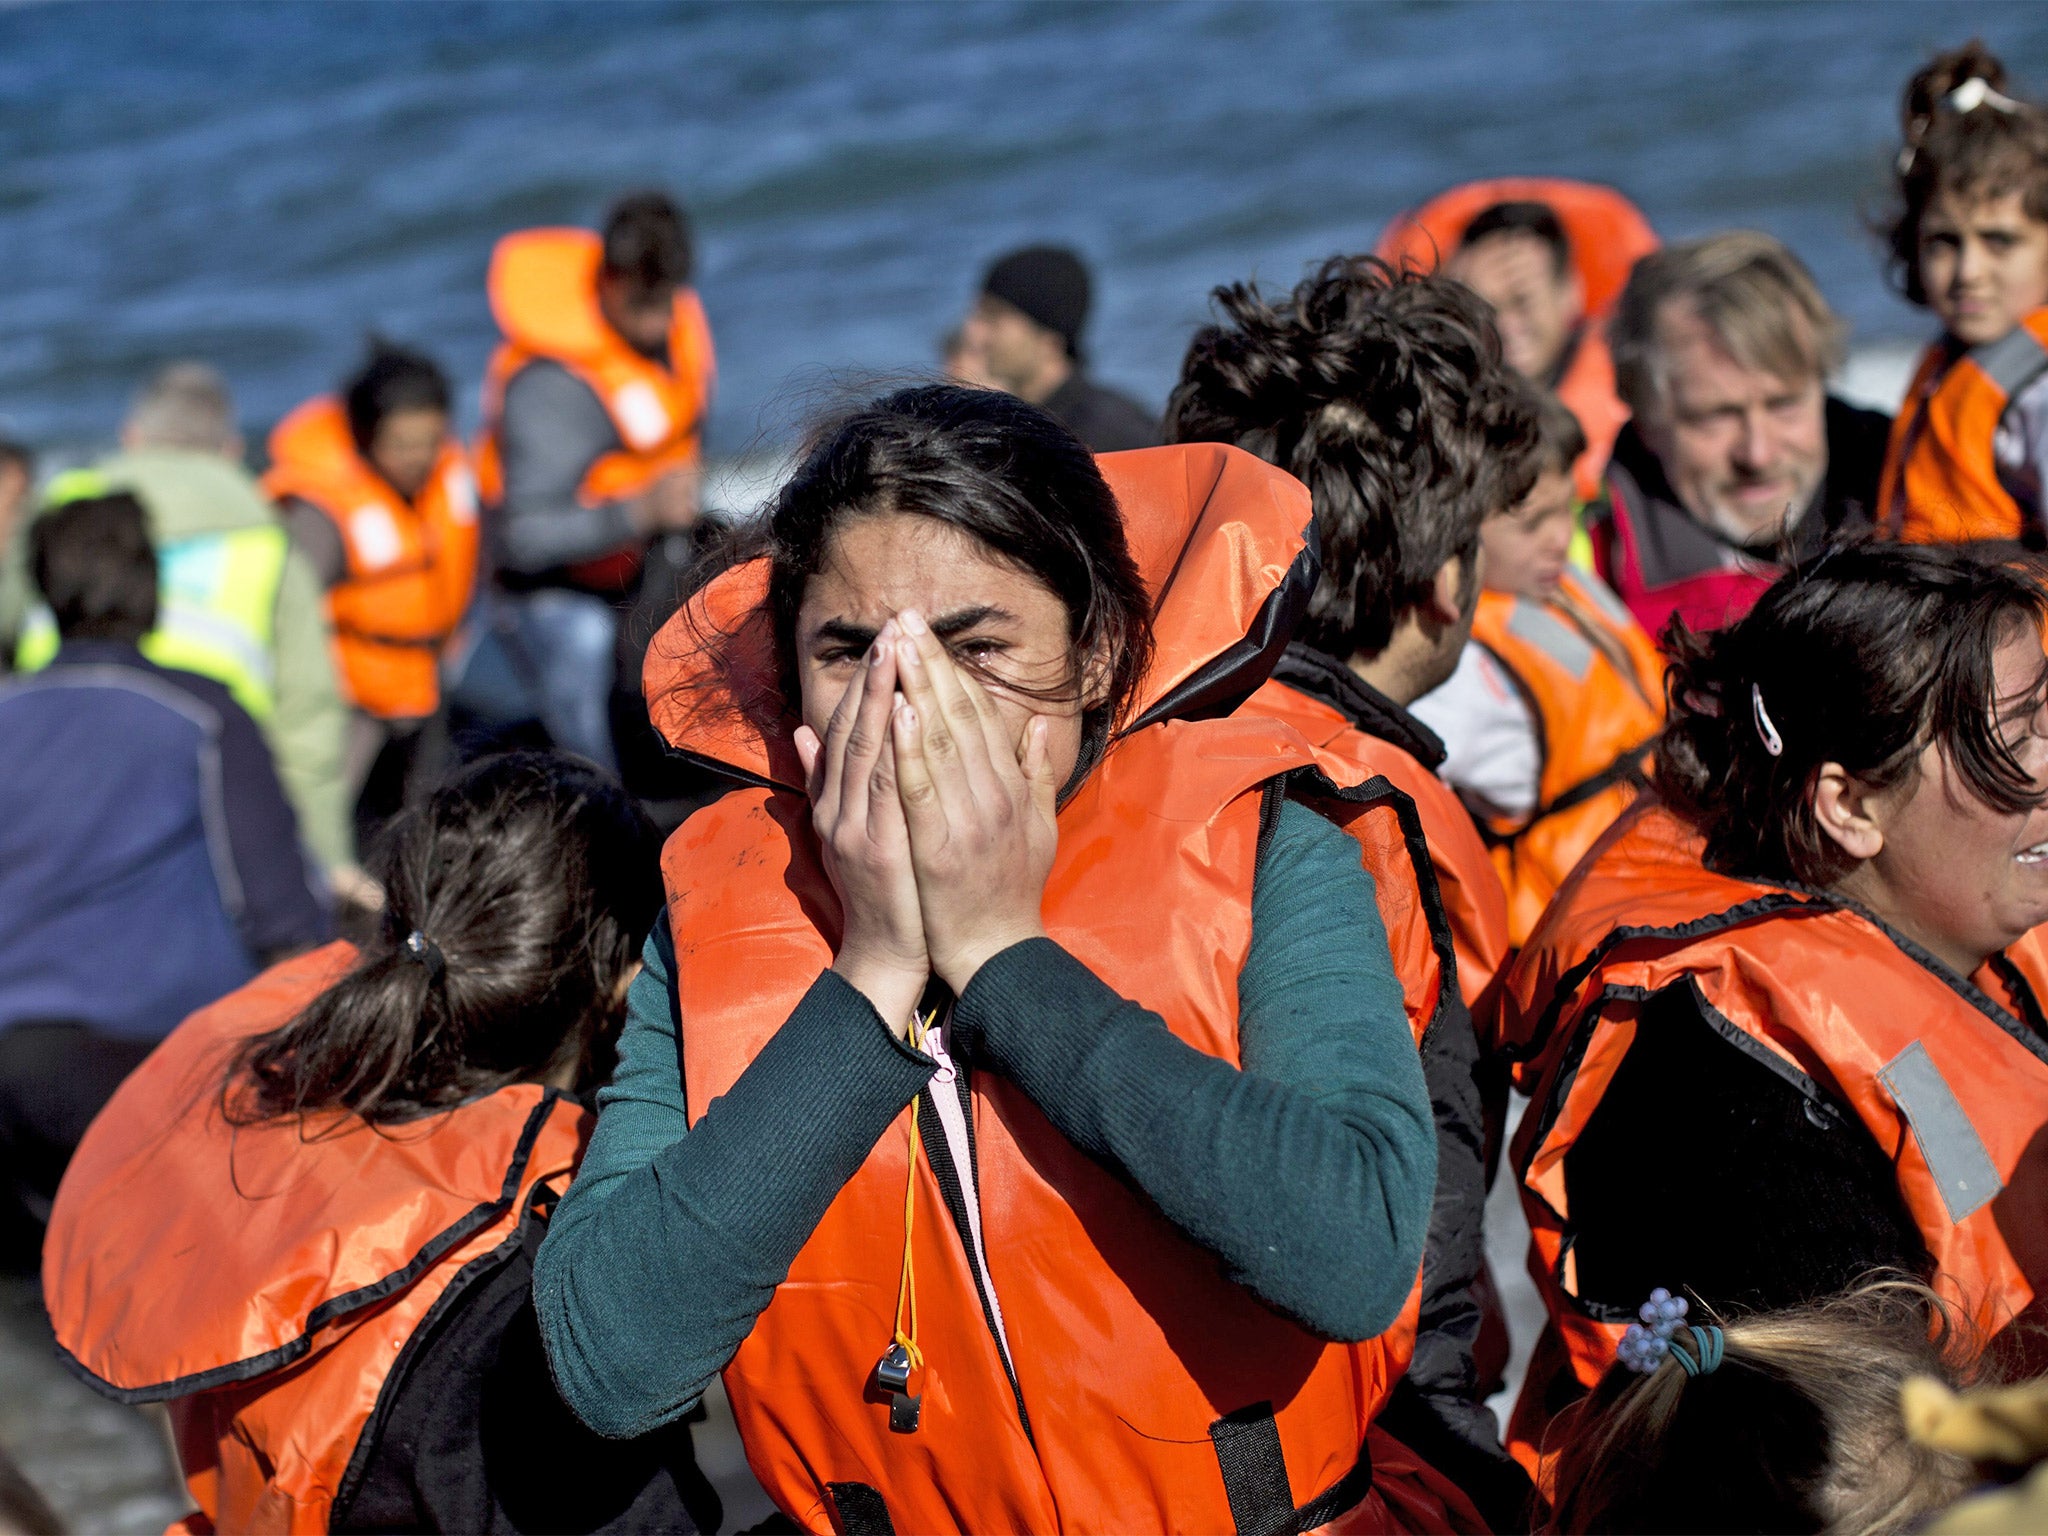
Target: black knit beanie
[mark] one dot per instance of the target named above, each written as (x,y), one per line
(1048,283)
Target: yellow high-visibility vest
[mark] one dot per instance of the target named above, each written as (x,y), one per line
(216,614)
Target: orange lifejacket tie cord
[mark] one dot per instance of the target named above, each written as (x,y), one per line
(892,1373)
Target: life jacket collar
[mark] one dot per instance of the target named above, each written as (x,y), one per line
(1322,676)
(1224,542)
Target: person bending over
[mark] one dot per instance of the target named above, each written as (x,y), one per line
(1769,1421)
(308,1222)
(1033,1141)
(1785,1025)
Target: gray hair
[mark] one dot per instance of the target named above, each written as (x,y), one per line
(187,405)
(1748,289)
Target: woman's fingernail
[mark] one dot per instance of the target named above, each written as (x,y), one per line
(878,653)
(906,716)
(907,650)
(913,621)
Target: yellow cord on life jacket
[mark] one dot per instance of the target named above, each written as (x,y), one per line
(906,1286)
(903,1359)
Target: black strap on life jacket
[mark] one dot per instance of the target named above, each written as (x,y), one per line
(1255,1477)
(1628,768)
(860,1509)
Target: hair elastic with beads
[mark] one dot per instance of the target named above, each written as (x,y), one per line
(1646,1345)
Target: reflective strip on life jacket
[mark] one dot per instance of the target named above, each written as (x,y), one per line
(1594,686)
(1941,483)
(216,614)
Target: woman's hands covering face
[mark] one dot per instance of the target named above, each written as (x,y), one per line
(937,833)
(858,816)
(980,812)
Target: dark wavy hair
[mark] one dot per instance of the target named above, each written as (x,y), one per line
(1861,657)
(1986,152)
(1385,393)
(984,463)
(534,874)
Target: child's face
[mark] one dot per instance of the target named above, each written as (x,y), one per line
(1983,264)
(1527,544)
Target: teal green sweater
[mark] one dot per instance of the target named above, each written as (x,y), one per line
(1308,1173)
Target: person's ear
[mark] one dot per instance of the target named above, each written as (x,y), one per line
(1847,811)
(1452,593)
(1576,285)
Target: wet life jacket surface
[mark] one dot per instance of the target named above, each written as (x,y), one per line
(1948,1075)
(1941,480)
(543,291)
(411,564)
(1138,1389)
(1608,235)
(1594,684)
(266,1280)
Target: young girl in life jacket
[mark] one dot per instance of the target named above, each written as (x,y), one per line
(1019,1105)
(1968,456)
(1785,1024)
(1770,1421)
(307,1222)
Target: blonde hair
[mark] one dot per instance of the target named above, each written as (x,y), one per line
(1799,1429)
(1748,289)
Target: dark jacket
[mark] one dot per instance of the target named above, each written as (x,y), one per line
(470,1435)
(1106,421)
(1437,1409)
(140,815)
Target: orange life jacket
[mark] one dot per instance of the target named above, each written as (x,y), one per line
(264,1280)
(1470,886)
(411,564)
(543,288)
(1594,683)
(1146,1391)
(1941,482)
(1950,1084)
(1608,236)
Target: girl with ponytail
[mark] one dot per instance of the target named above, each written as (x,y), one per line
(1969,240)
(1771,1421)
(307,1222)
(1785,1023)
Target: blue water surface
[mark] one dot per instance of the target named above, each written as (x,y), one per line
(262,184)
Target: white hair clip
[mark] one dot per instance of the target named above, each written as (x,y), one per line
(1976,92)
(1773,742)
